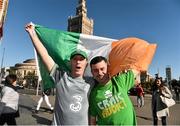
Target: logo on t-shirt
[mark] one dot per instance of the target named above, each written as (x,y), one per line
(108,94)
(76,105)
(112,105)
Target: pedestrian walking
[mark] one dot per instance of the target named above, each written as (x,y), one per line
(72,89)
(109,100)
(44,97)
(159,109)
(177,91)
(140,95)
(9,101)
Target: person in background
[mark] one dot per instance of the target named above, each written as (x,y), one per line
(176,87)
(9,101)
(159,89)
(44,97)
(109,100)
(177,91)
(140,95)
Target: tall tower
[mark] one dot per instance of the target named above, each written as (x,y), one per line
(168,73)
(81,23)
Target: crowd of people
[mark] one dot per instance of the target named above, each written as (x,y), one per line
(99,100)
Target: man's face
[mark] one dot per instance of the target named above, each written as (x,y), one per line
(78,65)
(99,72)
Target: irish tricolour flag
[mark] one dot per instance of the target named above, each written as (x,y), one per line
(122,54)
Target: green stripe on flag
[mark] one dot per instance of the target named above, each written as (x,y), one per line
(59,44)
(47,82)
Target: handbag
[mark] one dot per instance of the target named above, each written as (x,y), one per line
(168,101)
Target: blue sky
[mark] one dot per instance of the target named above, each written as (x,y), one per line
(156,21)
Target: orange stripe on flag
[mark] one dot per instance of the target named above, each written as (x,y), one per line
(130,53)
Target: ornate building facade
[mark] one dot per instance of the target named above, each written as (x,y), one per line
(26,72)
(25,68)
(81,23)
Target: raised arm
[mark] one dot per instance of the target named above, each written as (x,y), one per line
(41,50)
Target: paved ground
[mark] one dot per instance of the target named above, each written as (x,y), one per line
(28,117)
(44,117)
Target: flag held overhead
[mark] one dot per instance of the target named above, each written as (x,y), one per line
(122,54)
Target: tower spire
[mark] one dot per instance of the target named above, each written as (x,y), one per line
(81,23)
(81,8)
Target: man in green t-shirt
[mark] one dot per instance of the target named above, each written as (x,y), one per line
(109,100)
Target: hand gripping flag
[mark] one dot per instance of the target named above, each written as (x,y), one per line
(128,53)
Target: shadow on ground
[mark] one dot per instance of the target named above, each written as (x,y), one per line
(42,120)
(146,118)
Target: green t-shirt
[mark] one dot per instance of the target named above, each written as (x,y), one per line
(111,103)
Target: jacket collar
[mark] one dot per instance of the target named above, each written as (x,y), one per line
(11,86)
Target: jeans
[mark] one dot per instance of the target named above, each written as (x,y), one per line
(140,101)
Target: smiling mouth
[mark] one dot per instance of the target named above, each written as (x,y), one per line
(100,77)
